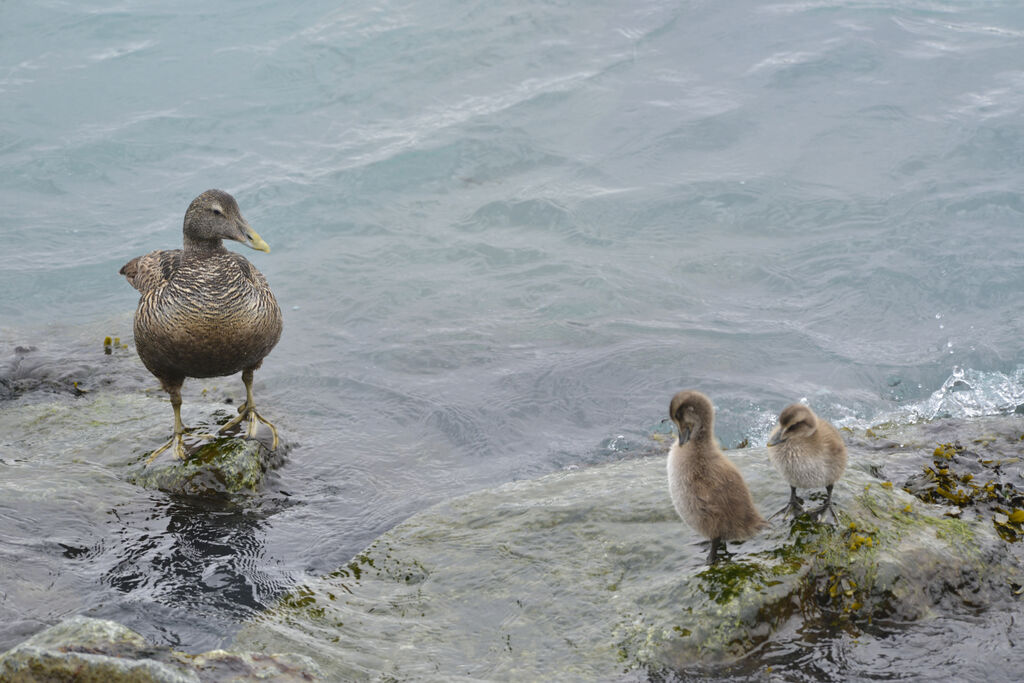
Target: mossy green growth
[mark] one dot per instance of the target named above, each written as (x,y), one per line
(223,466)
(868,566)
(585,575)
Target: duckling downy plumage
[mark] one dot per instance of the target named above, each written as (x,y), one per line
(810,453)
(706,488)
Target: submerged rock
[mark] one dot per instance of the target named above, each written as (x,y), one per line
(84,649)
(223,466)
(588,574)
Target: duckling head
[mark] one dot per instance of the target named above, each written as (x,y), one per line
(214,216)
(795,421)
(693,415)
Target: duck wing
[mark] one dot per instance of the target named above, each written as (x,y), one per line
(147,272)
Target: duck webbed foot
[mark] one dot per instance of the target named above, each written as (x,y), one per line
(177,442)
(247,411)
(819,512)
(795,505)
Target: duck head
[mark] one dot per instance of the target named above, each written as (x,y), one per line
(693,415)
(214,216)
(795,421)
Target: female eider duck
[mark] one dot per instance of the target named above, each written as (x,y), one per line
(707,490)
(809,453)
(205,311)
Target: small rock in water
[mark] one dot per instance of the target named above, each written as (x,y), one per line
(224,466)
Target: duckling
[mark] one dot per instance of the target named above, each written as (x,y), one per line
(810,453)
(707,490)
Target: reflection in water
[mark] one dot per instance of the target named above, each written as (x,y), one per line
(189,564)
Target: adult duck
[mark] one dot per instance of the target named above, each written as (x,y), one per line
(205,311)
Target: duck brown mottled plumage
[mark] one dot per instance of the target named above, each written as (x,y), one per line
(205,311)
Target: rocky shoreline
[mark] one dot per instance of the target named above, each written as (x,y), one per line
(589,574)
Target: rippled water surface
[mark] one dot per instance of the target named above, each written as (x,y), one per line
(503,236)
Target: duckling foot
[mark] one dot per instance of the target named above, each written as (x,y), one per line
(716,543)
(795,505)
(248,412)
(817,514)
(791,509)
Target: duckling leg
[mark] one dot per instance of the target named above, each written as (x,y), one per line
(826,506)
(248,410)
(177,440)
(713,553)
(795,505)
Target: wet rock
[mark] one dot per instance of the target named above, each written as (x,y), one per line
(589,573)
(972,469)
(84,649)
(27,370)
(222,466)
(95,401)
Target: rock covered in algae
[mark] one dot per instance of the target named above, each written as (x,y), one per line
(106,426)
(586,574)
(223,466)
(87,650)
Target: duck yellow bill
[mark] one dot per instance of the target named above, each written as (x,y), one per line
(253,239)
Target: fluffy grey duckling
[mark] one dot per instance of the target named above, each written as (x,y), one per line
(810,453)
(707,490)
(205,311)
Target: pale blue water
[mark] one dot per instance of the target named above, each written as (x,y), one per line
(505,234)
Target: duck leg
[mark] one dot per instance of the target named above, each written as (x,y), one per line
(248,411)
(795,505)
(174,389)
(817,513)
(713,553)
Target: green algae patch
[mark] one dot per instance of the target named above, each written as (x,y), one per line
(222,466)
(589,574)
(889,557)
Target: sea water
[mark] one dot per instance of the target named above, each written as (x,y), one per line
(503,235)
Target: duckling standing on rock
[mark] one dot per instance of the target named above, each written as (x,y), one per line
(205,311)
(707,490)
(810,453)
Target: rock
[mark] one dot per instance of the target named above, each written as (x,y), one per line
(223,466)
(86,650)
(69,400)
(585,574)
